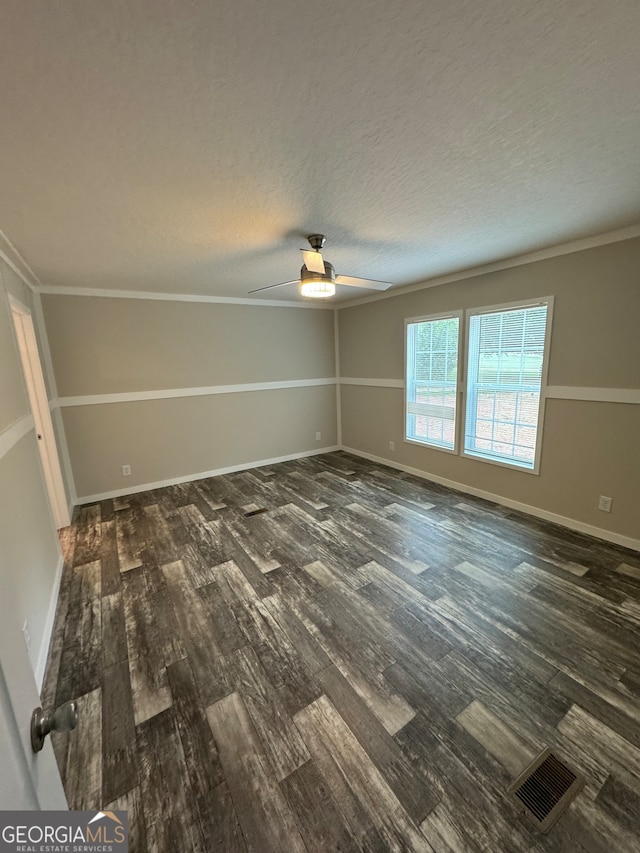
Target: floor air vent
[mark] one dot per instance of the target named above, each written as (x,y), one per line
(254,512)
(545,789)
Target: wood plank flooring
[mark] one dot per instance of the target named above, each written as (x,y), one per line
(365,665)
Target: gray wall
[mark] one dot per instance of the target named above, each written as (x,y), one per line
(105,346)
(589,448)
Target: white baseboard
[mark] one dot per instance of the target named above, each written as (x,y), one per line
(202,475)
(537,512)
(48,625)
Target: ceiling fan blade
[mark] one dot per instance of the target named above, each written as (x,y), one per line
(367,283)
(313,260)
(271,286)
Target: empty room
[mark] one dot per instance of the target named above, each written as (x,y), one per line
(320,426)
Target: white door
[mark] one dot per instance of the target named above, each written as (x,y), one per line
(16,788)
(28,347)
(27,780)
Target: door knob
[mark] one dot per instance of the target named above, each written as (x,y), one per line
(63,719)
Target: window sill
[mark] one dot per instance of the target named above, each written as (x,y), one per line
(430,446)
(514,466)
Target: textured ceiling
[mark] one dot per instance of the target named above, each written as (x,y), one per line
(189,145)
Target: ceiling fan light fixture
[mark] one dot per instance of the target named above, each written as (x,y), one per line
(317,286)
(318,277)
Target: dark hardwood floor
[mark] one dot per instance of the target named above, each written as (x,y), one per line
(364,665)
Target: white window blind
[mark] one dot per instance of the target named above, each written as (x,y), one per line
(432,381)
(504,377)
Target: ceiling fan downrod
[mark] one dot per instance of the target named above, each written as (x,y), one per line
(316,241)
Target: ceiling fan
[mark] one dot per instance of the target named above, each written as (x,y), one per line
(318,278)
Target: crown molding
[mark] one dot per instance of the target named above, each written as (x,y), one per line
(14,259)
(580,245)
(176,297)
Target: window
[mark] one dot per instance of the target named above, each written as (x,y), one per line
(505,363)
(505,354)
(432,380)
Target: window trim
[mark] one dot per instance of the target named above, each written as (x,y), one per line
(492,309)
(464,318)
(444,315)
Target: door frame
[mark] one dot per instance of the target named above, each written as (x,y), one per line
(39,402)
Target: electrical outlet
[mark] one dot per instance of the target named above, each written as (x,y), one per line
(126,470)
(27,635)
(392,445)
(318,436)
(604,503)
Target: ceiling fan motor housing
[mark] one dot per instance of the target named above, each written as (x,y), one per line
(309,275)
